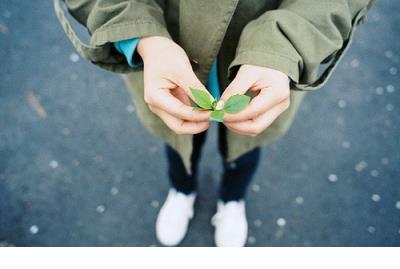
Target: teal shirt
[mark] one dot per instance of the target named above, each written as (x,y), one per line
(128,49)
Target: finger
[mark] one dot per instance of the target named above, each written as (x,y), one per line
(189,80)
(239,85)
(264,101)
(181,95)
(179,126)
(164,100)
(255,126)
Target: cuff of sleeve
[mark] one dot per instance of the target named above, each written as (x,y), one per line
(128,49)
(269,60)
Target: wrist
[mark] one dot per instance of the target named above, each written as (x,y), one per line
(148,44)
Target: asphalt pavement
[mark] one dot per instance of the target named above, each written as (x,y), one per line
(78,169)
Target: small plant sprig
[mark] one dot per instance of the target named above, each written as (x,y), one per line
(234,104)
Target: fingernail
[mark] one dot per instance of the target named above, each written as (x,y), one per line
(220,105)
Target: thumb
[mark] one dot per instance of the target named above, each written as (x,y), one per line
(239,85)
(190,80)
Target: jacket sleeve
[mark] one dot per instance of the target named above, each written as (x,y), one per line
(109,21)
(299,36)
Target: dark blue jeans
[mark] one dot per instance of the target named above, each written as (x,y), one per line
(236,176)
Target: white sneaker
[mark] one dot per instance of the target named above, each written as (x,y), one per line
(230,224)
(174,216)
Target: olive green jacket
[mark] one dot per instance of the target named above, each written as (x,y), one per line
(292,36)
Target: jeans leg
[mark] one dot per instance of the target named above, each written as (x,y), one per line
(237,174)
(178,176)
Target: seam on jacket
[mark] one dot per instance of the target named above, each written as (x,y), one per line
(106,28)
(267,53)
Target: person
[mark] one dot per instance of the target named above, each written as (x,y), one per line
(270,49)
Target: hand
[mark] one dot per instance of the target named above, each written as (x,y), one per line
(272,98)
(167,78)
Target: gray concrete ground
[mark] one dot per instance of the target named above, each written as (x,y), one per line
(84,172)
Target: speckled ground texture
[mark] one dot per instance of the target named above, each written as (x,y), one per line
(78,169)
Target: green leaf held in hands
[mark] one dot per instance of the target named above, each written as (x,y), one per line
(217,115)
(197,108)
(214,104)
(236,103)
(202,99)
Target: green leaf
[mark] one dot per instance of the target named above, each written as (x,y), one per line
(202,98)
(217,115)
(197,108)
(236,103)
(214,104)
